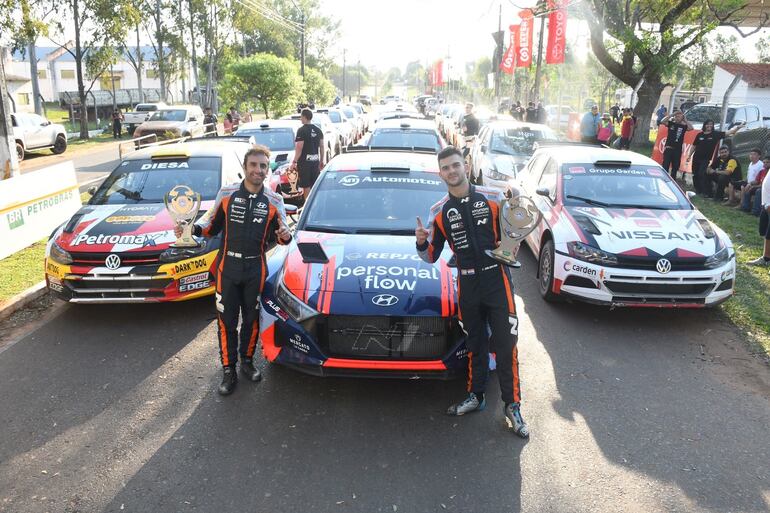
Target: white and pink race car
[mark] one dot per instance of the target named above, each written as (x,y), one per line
(617,231)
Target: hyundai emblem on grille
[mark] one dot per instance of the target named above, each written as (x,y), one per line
(384,300)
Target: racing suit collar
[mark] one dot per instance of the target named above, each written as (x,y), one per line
(471,190)
(244,191)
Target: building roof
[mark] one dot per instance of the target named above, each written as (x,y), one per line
(45,53)
(754,74)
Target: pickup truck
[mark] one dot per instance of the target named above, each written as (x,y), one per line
(756,133)
(141,113)
(34,132)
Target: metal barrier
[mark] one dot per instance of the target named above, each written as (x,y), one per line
(134,143)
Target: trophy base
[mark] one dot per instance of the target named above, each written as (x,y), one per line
(185,243)
(504,257)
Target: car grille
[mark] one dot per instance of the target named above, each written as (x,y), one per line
(649,264)
(387,337)
(122,287)
(127,259)
(659,289)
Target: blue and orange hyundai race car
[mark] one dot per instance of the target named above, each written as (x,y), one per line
(350,296)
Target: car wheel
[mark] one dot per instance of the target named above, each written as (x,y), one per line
(545,266)
(60,145)
(19,151)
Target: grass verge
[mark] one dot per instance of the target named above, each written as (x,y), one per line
(22,270)
(749,309)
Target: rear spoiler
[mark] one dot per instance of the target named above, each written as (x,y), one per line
(412,149)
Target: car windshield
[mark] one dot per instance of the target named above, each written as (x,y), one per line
(169,115)
(335,116)
(146,108)
(148,181)
(349,113)
(518,141)
(621,187)
(384,201)
(702,113)
(400,138)
(277,139)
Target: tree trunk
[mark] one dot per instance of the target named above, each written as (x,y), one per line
(649,94)
(79,73)
(139,65)
(33,76)
(192,49)
(160,58)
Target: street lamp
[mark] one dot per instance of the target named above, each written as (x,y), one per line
(302,39)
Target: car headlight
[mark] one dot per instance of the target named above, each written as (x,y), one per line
(591,254)
(718,259)
(496,175)
(177,254)
(59,255)
(298,310)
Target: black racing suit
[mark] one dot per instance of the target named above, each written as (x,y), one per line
(485,290)
(248,222)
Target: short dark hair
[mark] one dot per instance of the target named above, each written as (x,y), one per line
(756,150)
(448,152)
(307,114)
(256,149)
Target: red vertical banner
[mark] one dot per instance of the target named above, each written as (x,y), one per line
(440,72)
(509,59)
(524,41)
(557,32)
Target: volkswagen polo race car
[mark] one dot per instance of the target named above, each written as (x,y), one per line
(616,230)
(116,249)
(350,295)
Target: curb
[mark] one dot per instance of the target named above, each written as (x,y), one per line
(22,299)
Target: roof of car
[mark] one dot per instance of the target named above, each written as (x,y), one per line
(188,149)
(270,123)
(360,159)
(511,123)
(407,123)
(584,154)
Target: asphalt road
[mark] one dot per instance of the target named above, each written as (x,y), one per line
(91,164)
(114,408)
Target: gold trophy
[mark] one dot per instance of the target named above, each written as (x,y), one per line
(518,217)
(292,177)
(183,205)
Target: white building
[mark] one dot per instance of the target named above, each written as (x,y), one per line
(754,86)
(57,75)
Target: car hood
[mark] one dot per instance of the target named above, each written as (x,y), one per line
(161,125)
(119,228)
(370,275)
(509,164)
(646,232)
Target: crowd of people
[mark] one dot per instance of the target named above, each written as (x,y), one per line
(600,129)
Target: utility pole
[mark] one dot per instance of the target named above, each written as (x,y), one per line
(539,57)
(9,162)
(499,53)
(112,83)
(358,65)
(344,89)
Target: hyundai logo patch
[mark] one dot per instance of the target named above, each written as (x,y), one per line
(384,300)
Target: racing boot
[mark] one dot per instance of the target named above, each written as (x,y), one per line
(512,413)
(469,404)
(229,380)
(248,370)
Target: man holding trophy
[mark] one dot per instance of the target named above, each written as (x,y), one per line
(484,230)
(249,216)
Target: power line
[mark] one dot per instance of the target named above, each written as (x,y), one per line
(274,15)
(249,4)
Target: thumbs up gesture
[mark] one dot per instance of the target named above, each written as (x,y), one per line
(421,232)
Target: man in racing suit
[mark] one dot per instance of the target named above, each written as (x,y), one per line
(467,218)
(249,216)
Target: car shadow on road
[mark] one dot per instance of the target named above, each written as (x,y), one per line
(72,368)
(646,388)
(302,443)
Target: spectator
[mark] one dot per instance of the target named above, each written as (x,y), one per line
(589,125)
(754,176)
(541,114)
(672,153)
(247,117)
(703,152)
(531,116)
(615,112)
(626,129)
(233,119)
(764,221)
(210,123)
(606,129)
(724,171)
(661,113)
(117,123)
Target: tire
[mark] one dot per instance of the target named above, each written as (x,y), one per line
(545,268)
(60,146)
(19,151)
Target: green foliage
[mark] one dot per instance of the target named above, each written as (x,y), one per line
(763,49)
(265,81)
(317,88)
(697,63)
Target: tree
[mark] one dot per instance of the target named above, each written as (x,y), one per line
(650,37)
(317,88)
(699,61)
(273,83)
(763,49)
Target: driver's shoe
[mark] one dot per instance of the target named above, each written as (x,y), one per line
(469,404)
(248,370)
(512,413)
(229,380)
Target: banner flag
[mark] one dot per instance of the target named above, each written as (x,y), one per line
(524,41)
(557,32)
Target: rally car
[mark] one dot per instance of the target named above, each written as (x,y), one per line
(617,231)
(116,248)
(349,295)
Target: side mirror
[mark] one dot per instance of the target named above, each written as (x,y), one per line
(91,190)
(45,123)
(543,191)
(690,194)
(193,118)
(484,148)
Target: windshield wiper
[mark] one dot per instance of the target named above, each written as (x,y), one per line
(641,207)
(503,152)
(326,229)
(395,231)
(591,201)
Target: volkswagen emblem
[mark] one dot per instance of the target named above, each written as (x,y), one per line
(112,261)
(384,300)
(663,266)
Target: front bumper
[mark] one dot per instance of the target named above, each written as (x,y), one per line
(615,286)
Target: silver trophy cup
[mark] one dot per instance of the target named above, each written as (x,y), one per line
(518,217)
(183,205)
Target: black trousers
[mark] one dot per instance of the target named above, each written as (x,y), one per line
(233,297)
(487,297)
(700,179)
(672,157)
(117,126)
(721,182)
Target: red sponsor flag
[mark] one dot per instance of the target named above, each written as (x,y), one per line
(509,59)
(440,72)
(524,41)
(557,32)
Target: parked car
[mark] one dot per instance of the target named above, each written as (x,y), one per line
(34,132)
(277,134)
(406,133)
(365,99)
(344,126)
(140,114)
(556,121)
(173,122)
(756,133)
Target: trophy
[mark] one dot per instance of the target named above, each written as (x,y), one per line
(518,217)
(183,205)
(292,177)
